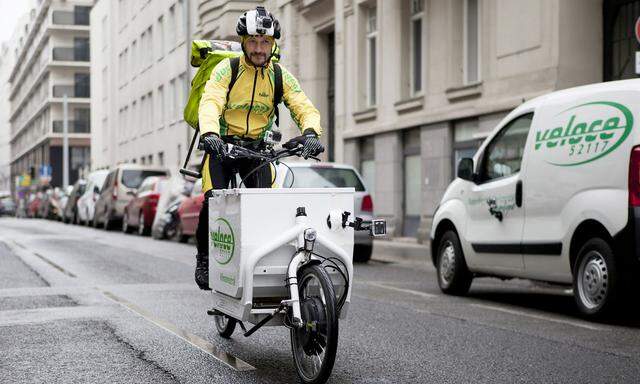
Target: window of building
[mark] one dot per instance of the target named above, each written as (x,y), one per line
(415,42)
(371,38)
(134,58)
(180,14)
(132,128)
(180,94)
(150,159)
(105,32)
(172,99)
(143,160)
(149,117)
(148,55)
(368,164)
(171,28)
(161,159)
(105,83)
(161,107)
(471,41)
(412,182)
(160,37)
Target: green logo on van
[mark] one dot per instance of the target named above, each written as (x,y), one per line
(583,135)
(223,241)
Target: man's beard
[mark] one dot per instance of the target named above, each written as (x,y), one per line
(258,58)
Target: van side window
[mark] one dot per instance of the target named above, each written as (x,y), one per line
(503,155)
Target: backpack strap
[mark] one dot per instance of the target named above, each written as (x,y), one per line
(278,90)
(235,65)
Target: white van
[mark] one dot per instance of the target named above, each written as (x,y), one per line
(553,194)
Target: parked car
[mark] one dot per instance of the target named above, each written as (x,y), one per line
(71,207)
(55,204)
(43,207)
(141,210)
(119,189)
(189,213)
(332,175)
(553,194)
(7,206)
(87,201)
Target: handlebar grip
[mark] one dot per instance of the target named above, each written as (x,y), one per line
(194,174)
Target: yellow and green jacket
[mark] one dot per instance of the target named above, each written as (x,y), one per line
(250,112)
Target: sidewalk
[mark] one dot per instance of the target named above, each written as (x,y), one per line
(402,250)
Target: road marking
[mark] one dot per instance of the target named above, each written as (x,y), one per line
(14,317)
(538,317)
(203,345)
(409,291)
(54,265)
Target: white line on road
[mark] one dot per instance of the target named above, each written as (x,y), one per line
(203,345)
(538,317)
(409,291)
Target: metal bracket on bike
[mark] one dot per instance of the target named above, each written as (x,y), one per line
(265,320)
(377,228)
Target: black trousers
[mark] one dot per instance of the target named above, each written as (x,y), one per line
(221,174)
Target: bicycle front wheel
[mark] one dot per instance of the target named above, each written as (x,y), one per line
(314,345)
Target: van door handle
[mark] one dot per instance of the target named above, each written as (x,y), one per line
(519,194)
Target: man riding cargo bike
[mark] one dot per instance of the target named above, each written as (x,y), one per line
(281,256)
(239,105)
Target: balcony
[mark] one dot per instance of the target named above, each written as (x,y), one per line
(75,126)
(70,18)
(76,91)
(70,54)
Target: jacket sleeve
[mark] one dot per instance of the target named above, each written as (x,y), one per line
(214,98)
(302,110)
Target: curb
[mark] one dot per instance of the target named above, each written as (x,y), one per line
(402,252)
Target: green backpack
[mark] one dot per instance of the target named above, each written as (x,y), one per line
(205,55)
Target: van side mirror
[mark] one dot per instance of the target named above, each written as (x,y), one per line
(465,169)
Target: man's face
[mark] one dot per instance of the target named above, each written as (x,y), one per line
(258,49)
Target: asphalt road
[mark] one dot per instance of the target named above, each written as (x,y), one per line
(85,305)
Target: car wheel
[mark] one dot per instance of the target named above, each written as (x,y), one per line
(106,224)
(362,253)
(597,283)
(454,277)
(180,236)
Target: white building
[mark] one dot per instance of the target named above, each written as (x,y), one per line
(52,60)
(6,64)
(140,81)
(408,87)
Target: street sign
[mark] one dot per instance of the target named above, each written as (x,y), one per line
(637,29)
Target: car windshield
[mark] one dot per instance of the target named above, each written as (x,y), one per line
(316,177)
(133,178)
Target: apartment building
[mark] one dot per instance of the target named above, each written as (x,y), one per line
(407,88)
(52,62)
(140,78)
(6,64)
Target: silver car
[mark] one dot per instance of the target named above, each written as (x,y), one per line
(332,175)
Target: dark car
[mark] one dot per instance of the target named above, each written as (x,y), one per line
(70,214)
(119,189)
(141,210)
(189,213)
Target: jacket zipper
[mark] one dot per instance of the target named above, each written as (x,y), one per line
(253,93)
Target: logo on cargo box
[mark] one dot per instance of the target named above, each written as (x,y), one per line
(223,241)
(585,133)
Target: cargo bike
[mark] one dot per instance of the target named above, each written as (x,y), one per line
(284,257)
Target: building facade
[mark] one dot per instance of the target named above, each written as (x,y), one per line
(6,65)
(52,62)
(407,88)
(141,79)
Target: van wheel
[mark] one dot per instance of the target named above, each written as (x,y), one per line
(454,277)
(596,282)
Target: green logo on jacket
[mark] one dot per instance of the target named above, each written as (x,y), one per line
(585,133)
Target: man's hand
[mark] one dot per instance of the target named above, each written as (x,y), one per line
(213,144)
(311,145)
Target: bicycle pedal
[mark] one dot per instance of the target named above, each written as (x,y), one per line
(214,312)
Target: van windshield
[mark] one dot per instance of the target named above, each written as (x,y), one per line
(132,178)
(315,177)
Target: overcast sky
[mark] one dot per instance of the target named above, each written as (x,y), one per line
(10,12)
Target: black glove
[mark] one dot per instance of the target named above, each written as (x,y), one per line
(311,145)
(213,144)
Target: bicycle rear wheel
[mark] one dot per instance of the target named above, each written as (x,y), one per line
(314,345)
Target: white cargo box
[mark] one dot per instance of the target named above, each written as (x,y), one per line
(242,222)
